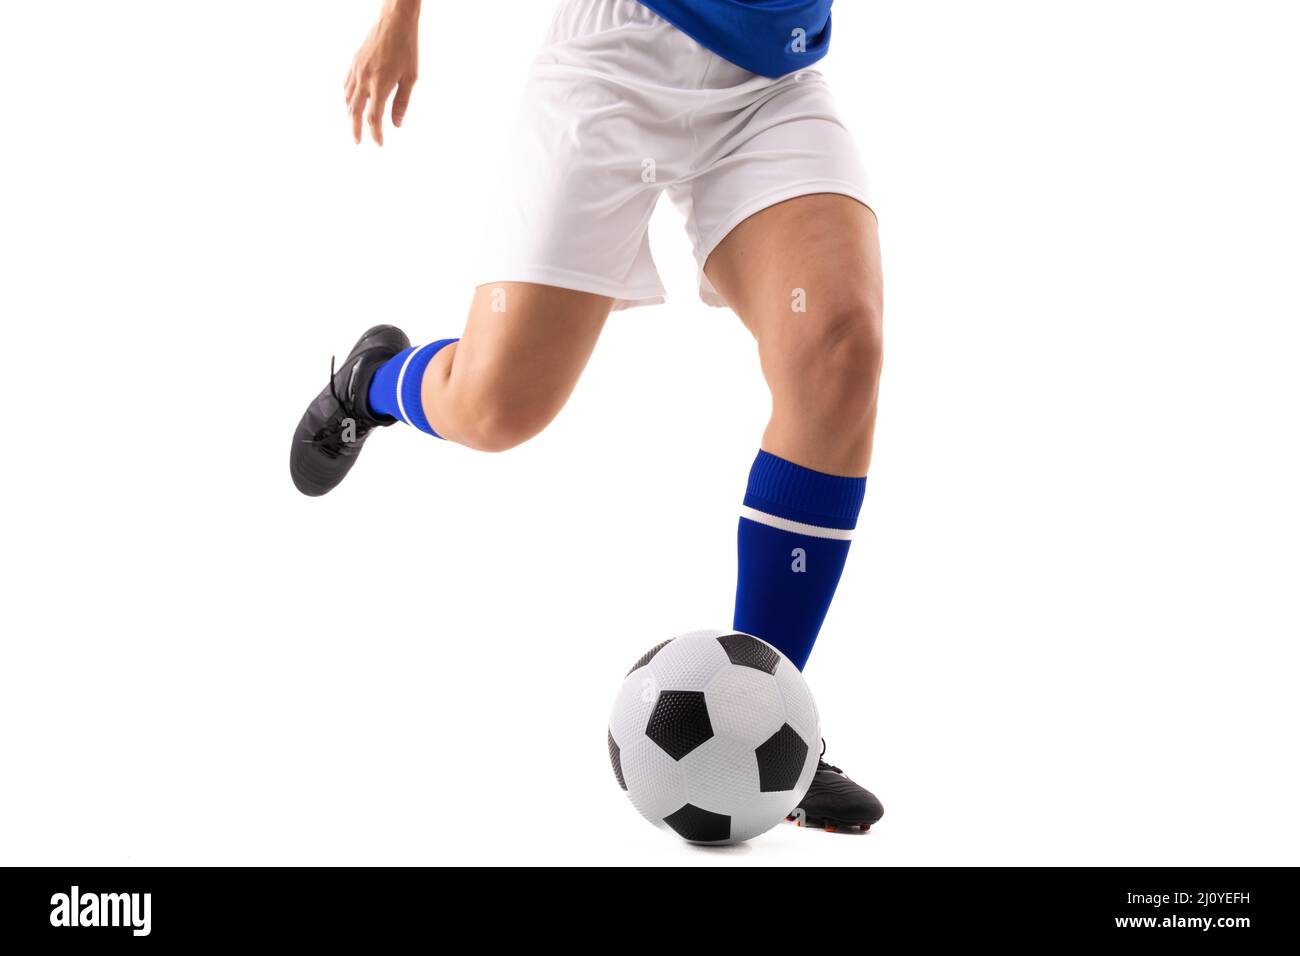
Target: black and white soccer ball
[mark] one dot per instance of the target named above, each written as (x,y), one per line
(715,736)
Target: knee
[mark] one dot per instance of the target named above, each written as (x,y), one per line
(853,344)
(832,361)
(498,427)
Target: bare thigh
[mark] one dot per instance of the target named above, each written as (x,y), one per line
(518,360)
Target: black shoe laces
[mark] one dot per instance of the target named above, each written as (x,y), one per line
(330,438)
(822,764)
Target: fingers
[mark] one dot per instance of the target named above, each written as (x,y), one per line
(360,91)
(400,101)
(356,107)
(378,100)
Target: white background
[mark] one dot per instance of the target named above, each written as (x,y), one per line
(1067,632)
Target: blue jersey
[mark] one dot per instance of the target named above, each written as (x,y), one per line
(770,37)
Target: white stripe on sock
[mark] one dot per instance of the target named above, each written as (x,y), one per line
(401,377)
(795,527)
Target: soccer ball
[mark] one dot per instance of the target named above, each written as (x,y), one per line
(714,736)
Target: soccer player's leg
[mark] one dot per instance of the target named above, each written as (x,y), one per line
(805,278)
(515,367)
(502,382)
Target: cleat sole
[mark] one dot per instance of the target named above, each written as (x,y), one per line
(830,826)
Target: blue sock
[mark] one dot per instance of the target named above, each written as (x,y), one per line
(794,537)
(395,387)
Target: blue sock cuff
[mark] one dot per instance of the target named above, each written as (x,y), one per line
(410,381)
(786,490)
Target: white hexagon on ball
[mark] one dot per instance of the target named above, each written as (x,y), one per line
(715,736)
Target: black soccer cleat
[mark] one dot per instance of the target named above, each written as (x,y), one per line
(337,423)
(834,802)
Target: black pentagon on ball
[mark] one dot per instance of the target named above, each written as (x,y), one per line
(649,655)
(616,760)
(780,760)
(749,651)
(699,826)
(680,722)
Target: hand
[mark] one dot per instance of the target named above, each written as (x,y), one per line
(388,58)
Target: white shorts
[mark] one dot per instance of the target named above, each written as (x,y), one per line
(620,107)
